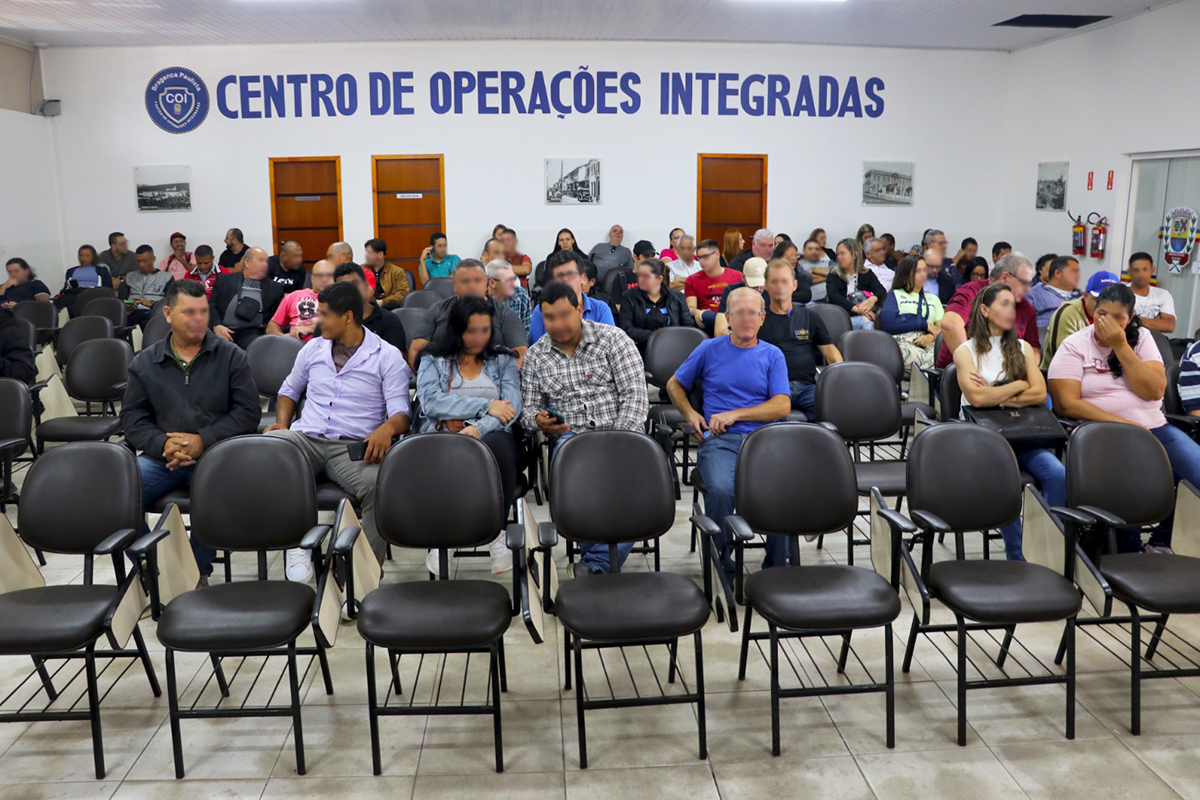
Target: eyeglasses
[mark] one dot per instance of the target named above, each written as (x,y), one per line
(744,313)
(509,279)
(706,255)
(562,276)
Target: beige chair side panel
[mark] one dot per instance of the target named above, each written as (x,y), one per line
(17,568)
(177,569)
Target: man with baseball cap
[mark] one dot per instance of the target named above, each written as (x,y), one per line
(1073,316)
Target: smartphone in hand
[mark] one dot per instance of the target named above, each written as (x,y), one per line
(356,450)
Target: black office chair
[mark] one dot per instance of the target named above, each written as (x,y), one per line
(88,295)
(157,328)
(114,310)
(271,360)
(16,421)
(81,499)
(836,319)
(780,495)
(881,349)
(442,287)
(1164,347)
(42,314)
(410,318)
(234,509)
(1173,405)
(961,479)
(78,330)
(412,279)
(423,298)
(594,473)
(666,350)
(97,373)
(443,616)
(30,333)
(1151,587)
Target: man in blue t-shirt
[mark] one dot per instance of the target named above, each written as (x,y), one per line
(745,385)
(565,267)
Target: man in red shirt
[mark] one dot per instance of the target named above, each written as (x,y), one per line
(1014,269)
(703,289)
(297,313)
(520,263)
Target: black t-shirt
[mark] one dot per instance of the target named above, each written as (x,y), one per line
(230,259)
(25,291)
(798,335)
(387,326)
(289,279)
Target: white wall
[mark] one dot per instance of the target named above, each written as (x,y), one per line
(29,209)
(494,164)
(1093,100)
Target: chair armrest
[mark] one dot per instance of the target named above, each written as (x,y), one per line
(898,522)
(313,539)
(547,534)
(10,444)
(933,374)
(514,536)
(1073,515)
(343,543)
(1112,520)
(1186,421)
(739,527)
(705,525)
(36,388)
(117,542)
(931,521)
(146,543)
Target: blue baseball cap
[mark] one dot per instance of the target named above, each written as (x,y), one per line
(1097,282)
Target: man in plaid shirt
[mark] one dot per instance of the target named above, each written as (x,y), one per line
(589,373)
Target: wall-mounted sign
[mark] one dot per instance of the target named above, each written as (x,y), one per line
(409,195)
(1178,234)
(177,100)
(1091,175)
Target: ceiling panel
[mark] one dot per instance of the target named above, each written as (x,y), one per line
(962,24)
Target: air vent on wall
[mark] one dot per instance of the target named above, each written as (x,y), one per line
(1064,21)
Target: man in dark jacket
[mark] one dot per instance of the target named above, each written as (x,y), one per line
(242,303)
(16,356)
(186,393)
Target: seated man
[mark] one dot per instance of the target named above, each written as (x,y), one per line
(16,356)
(470,278)
(504,285)
(145,286)
(384,324)
(186,392)
(703,290)
(590,374)
(205,270)
(1155,305)
(243,302)
(1061,285)
(391,284)
(1073,316)
(745,384)
(567,266)
(357,391)
(799,333)
(287,268)
(297,314)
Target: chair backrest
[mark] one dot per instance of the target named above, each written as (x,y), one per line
(1122,469)
(88,295)
(78,494)
(874,347)
(611,487)
(442,287)
(667,349)
(949,394)
(412,279)
(412,507)
(836,319)
(423,298)
(30,332)
(778,493)
(157,328)
(111,307)
(860,399)
(78,330)
(271,360)
(41,313)
(16,409)
(1171,402)
(98,370)
(965,474)
(410,318)
(253,493)
(1164,347)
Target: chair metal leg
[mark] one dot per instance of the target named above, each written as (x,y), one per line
(94,711)
(44,676)
(323,659)
(495,675)
(890,683)
(228,567)
(297,729)
(503,667)
(962,682)
(372,710)
(1071,678)
(672,650)
(821,542)
(700,712)
(146,663)
(579,703)
(1005,645)
(173,703)
(850,544)
(1135,672)
(220,673)
(911,645)
(1062,649)
(845,652)
(774,688)
(1156,636)
(394,663)
(567,659)
(745,642)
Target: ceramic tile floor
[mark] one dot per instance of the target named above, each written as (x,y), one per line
(832,747)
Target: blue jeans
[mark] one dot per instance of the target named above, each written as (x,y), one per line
(709,321)
(1050,476)
(593,556)
(157,482)
(861,323)
(804,397)
(1184,454)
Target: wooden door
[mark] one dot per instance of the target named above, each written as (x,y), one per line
(731,192)
(306,204)
(410,204)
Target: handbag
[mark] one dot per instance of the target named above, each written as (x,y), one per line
(450,425)
(1029,425)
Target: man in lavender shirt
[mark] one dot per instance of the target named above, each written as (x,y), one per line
(357,390)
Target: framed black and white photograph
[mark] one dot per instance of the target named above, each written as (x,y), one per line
(572,181)
(887,183)
(1052,186)
(167,188)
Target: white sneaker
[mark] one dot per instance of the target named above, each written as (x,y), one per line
(501,555)
(299,565)
(431,562)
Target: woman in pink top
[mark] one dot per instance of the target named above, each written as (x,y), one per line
(1112,371)
(669,254)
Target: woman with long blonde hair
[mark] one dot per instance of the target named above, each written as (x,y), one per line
(734,244)
(854,287)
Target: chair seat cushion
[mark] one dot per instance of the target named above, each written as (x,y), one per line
(1164,582)
(888,476)
(180,497)
(48,618)
(908,409)
(797,416)
(330,496)
(829,597)
(1004,591)
(78,429)
(631,605)
(237,616)
(428,615)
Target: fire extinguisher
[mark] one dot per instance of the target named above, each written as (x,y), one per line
(1099,234)
(1078,235)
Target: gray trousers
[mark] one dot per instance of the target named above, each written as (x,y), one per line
(329,456)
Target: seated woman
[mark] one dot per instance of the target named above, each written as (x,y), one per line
(998,369)
(912,315)
(652,304)
(467,387)
(854,287)
(974,270)
(89,274)
(22,284)
(1112,370)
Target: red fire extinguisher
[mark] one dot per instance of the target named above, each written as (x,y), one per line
(1078,235)
(1099,234)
